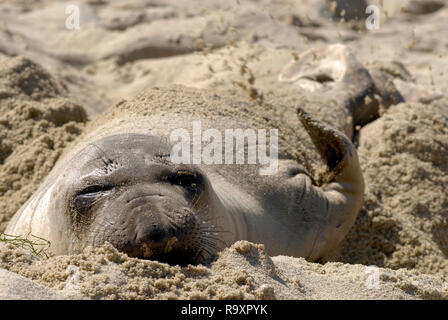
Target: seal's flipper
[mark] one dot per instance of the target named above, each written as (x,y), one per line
(336,150)
(344,189)
(332,145)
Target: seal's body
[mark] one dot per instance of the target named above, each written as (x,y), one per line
(119,184)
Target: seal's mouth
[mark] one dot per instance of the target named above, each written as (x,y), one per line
(171,251)
(177,257)
(158,248)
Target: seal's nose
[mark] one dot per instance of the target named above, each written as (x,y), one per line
(157,233)
(150,241)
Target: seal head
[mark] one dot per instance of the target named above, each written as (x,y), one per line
(129,194)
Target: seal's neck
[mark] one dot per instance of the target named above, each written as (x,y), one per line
(233,208)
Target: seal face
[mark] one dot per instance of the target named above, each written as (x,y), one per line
(130,194)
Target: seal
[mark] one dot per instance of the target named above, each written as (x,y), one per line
(118,184)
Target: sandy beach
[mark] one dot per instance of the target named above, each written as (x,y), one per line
(60,80)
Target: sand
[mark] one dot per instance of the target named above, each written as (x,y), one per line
(404,222)
(243,271)
(38,120)
(54,81)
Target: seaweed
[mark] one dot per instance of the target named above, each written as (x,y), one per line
(37,245)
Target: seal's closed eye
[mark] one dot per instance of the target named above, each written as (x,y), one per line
(95,189)
(185,178)
(85,198)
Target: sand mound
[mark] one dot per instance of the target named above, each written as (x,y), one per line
(242,271)
(37,123)
(404,220)
(15,287)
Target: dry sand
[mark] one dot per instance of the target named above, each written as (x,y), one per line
(243,271)
(37,123)
(51,78)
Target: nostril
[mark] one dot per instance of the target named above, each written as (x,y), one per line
(156,234)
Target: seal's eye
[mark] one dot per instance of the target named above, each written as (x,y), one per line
(190,180)
(87,197)
(95,189)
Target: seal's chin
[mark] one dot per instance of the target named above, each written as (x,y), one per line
(177,257)
(171,251)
